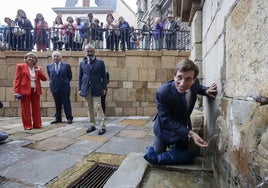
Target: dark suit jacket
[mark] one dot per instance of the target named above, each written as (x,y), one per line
(93,76)
(59,82)
(22,82)
(173,27)
(172,120)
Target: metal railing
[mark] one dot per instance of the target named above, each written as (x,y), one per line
(14,38)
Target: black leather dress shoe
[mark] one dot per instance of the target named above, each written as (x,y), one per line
(70,121)
(55,121)
(101,131)
(91,129)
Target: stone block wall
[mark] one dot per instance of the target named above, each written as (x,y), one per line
(134,78)
(234,55)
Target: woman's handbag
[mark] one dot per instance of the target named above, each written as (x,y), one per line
(18,31)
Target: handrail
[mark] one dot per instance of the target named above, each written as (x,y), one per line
(15,38)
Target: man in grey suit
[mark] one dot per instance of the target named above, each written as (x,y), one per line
(92,85)
(60,75)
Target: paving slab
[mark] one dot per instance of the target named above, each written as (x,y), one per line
(122,146)
(74,133)
(138,122)
(12,152)
(54,143)
(94,138)
(137,134)
(50,133)
(41,169)
(83,147)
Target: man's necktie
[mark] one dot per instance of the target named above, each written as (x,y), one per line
(184,99)
(187,96)
(57,68)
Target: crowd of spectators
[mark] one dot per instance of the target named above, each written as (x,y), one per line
(73,34)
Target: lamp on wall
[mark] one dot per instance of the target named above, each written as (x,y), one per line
(140,14)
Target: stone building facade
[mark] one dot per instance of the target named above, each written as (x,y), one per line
(229,42)
(99,9)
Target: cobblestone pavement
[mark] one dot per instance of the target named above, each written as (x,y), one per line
(58,154)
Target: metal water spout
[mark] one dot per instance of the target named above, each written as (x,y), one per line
(263,182)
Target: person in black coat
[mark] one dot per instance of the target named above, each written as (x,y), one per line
(60,75)
(103,97)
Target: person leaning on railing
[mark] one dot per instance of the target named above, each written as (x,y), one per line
(68,30)
(98,34)
(89,29)
(79,35)
(172,27)
(40,33)
(146,35)
(112,33)
(56,34)
(10,38)
(22,31)
(158,34)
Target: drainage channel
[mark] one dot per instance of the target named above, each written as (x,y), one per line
(95,177)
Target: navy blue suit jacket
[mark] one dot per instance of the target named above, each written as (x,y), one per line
(93,76)
(59,82)
(171,123)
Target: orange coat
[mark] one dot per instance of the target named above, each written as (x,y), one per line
(22,82)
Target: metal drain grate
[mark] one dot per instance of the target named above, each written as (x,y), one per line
(95,177)
(2,180)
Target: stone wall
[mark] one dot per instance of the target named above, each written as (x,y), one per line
(134,78)
(234,55)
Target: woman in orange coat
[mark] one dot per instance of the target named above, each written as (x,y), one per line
(27,89)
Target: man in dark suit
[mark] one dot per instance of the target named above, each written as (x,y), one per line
(92,85)
(60,75)
(175,101)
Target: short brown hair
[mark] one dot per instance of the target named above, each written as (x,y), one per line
(186,65)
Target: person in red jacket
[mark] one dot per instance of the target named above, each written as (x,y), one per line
(27,89)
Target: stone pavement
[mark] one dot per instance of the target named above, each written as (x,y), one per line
(58,154)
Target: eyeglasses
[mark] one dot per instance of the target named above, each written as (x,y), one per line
(90,51)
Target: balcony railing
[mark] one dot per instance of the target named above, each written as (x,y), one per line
(14,38)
